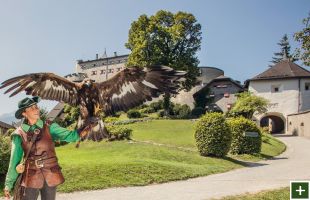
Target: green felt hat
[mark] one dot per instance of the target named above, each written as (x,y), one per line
(25,103)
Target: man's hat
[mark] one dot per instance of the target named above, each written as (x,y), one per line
(25,103)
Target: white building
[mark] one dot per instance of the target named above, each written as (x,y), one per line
(103,68)
(287,87)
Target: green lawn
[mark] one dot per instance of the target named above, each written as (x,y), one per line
(279,194)
(127,163)
(103,165)
(180,133)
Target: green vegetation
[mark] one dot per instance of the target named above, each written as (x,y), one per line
(242,144)
(279,194)
(166,39)
(128,163)
(178,133)
(213,136)
(302,37)
(103,165)
(247,104)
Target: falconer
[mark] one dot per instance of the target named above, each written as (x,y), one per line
(42,173)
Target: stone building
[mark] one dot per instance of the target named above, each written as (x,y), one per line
(287,87)
(222,91)
(102,68)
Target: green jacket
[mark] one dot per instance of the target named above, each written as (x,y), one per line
(58,133)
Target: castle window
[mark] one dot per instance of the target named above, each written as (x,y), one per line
(93,72)
(307,86)
(275,88)
(102,71)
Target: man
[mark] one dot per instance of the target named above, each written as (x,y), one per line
(42,172)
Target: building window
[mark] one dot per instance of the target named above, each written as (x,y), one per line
(93,72)
(110,70)
(94,65)
(307,86)
(102,71)
(118,69)
(275,88)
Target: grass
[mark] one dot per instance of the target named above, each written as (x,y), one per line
(180,133)
(278,194)
(103,165)
(129,163)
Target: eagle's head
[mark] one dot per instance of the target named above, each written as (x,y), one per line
(87,82)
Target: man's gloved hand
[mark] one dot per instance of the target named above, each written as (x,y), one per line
(7,194)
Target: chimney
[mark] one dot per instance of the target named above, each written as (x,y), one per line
(115,53)
(96,56)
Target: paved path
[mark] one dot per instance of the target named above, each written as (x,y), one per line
(293,164)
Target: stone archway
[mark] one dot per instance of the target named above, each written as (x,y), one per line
(275,122)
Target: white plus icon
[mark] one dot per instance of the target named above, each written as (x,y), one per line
(300,190)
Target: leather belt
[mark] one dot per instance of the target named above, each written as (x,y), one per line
(41,162)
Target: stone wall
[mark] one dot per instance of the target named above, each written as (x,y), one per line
(298,124)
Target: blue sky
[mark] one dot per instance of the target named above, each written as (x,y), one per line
(239,36)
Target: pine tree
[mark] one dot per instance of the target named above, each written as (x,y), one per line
(285,52)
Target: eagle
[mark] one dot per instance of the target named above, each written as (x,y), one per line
(127,89)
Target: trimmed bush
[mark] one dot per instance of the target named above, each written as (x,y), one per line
(5,150)
(212,135)
(133,114)
(119,133)
(242,144)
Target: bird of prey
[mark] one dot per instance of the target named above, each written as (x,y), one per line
(127,89)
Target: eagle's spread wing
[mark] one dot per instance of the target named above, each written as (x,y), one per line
(45,85)
(133,86)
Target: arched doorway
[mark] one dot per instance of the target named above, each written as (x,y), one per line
(274,121)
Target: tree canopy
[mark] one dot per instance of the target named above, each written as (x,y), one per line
(303,37)
(166,39)
(247,104)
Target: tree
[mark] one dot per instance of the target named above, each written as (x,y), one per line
(285,51)
(166,39)
(303,37)
(247,104)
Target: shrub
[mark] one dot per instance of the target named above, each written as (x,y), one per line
(242,144)
(198,111)
(5,151)
(212,135)
(133,114)
(110,119)
(181,111)
(147,110)
(119,133)
(156,106)
(161,113)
